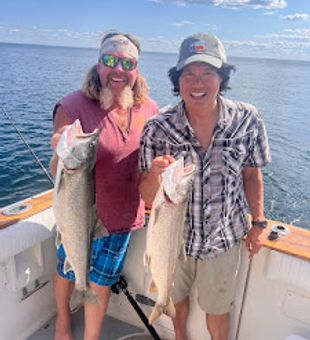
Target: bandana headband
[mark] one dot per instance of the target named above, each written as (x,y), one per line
(119,44)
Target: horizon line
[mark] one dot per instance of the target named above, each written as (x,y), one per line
(164,52)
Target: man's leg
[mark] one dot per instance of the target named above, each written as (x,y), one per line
(218,326)
(216,282)
(94,313)
(179,322)
(183,279)
(63,289)
(107,262)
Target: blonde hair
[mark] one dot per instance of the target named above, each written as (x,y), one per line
(92,86)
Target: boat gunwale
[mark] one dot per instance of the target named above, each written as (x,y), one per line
(295,243)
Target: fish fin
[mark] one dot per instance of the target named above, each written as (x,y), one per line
(156,313)
(76,300)
(100,230)
(182,254)
(153,288)
(169,309)
(146,260)
(58,239)
(67,266)
(91,297)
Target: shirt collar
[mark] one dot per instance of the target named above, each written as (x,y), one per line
(224,115)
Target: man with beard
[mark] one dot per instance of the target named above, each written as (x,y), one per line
(114,98)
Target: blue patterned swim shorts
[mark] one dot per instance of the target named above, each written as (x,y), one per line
(107,259)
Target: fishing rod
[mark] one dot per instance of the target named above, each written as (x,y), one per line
(121,286)
(12,121)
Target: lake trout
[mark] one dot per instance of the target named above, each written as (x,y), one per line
(74,199)
(165,241)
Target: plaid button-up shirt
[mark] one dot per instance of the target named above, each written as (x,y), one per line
(216,217)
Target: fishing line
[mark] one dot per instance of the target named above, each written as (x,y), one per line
(11,120)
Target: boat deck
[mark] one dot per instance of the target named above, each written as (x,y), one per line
(113,329)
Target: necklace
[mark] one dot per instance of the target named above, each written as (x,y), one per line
(123,120)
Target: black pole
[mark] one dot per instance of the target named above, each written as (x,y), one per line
(12,121)
(121,285)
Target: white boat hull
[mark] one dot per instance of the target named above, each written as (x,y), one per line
(272,303)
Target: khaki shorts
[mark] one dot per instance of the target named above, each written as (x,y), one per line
(215,279)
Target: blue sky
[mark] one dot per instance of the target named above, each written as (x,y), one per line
(249,28)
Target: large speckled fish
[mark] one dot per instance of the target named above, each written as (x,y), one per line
(74,199)
(165,233)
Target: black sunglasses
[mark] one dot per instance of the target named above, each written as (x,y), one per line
(128,64)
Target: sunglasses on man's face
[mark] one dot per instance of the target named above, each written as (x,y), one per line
(128,64)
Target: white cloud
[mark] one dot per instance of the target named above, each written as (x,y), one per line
(289,34)
(296,17)
(289,43)
(255,4)
(47,36)
(159,44)
(270,13)
(182,23)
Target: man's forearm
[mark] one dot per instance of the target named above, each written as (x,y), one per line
(254,191)
(53,165)
(149,186)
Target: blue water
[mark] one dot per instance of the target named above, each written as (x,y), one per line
(33,78)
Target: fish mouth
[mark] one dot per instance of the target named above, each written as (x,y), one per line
(71,171)
(84,135)
(189,169)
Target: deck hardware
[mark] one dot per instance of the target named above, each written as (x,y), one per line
(121,286)
(26,293)
(273,235)
(280,229)
(276,231)
(16,209)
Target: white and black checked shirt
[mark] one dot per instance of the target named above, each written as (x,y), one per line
(216,217)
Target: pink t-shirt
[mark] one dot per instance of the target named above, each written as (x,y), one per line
(118,202)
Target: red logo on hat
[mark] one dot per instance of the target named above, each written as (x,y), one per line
(198,46)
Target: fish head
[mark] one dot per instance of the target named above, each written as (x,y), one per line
(177,180)
(78,149)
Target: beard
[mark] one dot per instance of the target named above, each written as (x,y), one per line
(124,100)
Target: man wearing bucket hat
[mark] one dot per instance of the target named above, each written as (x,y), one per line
(227,142)
(114,99)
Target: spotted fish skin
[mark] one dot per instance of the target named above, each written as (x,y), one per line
(74,201)
(165,233)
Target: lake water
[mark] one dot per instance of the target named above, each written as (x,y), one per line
(33,78)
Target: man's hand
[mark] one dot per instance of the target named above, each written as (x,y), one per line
(252,240)
(56,136)
(160,163)
(61,121)
(150,180)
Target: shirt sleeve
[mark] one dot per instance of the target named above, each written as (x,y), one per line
(259,154)
(147,150)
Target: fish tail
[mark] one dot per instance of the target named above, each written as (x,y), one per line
(153,288)
(169,308)
(158,310)
(156,313)
(91,297)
